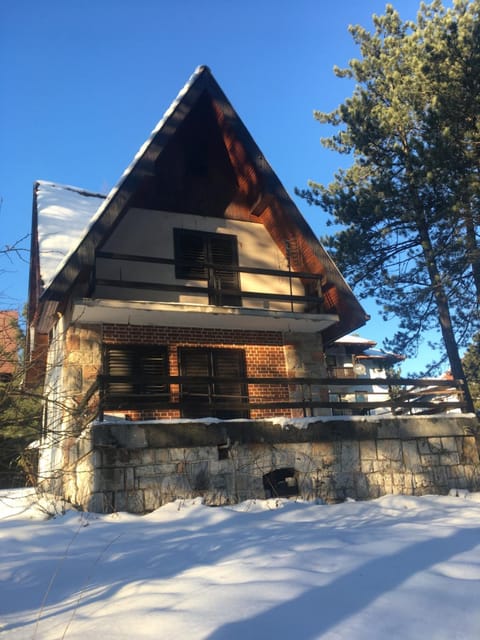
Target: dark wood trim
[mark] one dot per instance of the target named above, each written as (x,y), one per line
(406,399)
(108,255)
(208,291)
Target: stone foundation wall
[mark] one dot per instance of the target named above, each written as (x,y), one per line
(137,467)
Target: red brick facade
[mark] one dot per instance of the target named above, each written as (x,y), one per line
(264,356)
(9,333)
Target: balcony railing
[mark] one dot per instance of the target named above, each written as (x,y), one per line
(304,396)
(341,372)
(216,290)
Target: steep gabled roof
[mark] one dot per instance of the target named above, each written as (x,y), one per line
(199,130)
(64,217)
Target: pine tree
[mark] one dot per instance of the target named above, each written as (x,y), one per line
(408,204)
(471,366)
(20,412)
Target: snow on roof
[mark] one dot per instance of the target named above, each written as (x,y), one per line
(353,339)
(379,353)
(64,214)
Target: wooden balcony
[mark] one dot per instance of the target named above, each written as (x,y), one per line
(305,396)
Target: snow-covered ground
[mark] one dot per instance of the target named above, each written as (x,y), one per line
(393,568)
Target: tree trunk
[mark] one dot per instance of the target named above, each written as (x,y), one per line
(473,252)
(443,308)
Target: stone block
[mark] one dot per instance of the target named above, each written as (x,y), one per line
(283,457)
(198,475)
(449,444)
(435,445)
(178,454)
(423,426)
(74,378)
(101,502)
(345,481)
(109,479)
(381,466)
(389,450)
(449,459)
(457,478)
(220,466)
(131,501)
(422,480)
(129,478)
(247,486)
(404,483)
(439,476)
(470,454)
(152,498)
(374,490)
(350,456)
(196,454)
(411,456)
(216,498)
(423,446)
(362,489)
(148,456)
(305,463)
(161,455)
(149,470)
(129,436)
(306,486)
(368,450)
(175,486)
(388,483)
(323,453)
(430,460)
(388,429)
(367,466)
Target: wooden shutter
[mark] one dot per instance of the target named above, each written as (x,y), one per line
(230,365)
(223,253)
(195,396)
(120,365)
(190,254)
(220,398)
(209,256)
(152,365)
(134,375)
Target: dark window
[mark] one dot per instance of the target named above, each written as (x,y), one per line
(134,376)
(280,483)
(224,393)
(212,257)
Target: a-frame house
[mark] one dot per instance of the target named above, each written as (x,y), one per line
(175,294)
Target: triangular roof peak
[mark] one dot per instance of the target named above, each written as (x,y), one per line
(201,159)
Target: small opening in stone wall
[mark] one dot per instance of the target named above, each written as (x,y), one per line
(280,483)
(223,451)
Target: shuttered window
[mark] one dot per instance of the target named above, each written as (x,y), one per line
(223,395)
(212,257)
(134,375)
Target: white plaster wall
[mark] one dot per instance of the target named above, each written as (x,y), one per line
(150,233)
(50,454)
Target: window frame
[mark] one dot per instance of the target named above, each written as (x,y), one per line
(138,386)
(213,390)
(208,247)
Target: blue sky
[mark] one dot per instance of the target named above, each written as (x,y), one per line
(83,83)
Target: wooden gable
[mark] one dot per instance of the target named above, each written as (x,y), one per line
(201,159)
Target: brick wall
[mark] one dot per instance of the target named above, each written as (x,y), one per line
(264,355)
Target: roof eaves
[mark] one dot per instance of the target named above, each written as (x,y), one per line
(119,195)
